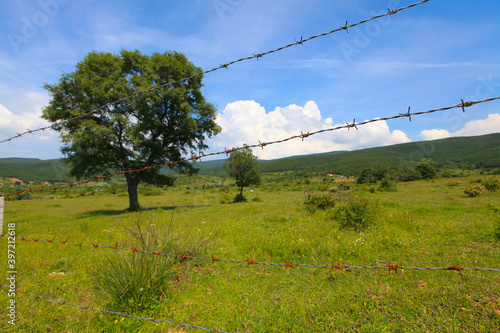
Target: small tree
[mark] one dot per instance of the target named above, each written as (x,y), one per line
(242,166)
(426,170)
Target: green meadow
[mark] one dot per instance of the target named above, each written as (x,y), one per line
(422,224)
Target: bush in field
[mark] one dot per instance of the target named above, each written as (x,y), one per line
(312,203)
(369,175)
(426,170)
(447,174)
(474,191)
(492,184)
(136,281)
(388,185)
(21,196)
(357,213)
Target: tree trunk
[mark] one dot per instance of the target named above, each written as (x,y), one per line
(132,183)
(241,193)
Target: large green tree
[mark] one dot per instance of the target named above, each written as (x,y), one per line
(130,130)
(242,166)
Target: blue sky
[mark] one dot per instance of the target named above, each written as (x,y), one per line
(426,57)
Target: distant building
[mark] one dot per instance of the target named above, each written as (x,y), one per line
(16,181)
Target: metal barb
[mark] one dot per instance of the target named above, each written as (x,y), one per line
(345,27)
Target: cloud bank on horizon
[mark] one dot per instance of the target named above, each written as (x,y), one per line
(247,122)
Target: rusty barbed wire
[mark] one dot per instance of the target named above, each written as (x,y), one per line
(248,262)
(226,65)
(114,312)
(226,151)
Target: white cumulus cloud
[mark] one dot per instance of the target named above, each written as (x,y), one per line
(434,134)
(474,127)
(248,122)
(28,117)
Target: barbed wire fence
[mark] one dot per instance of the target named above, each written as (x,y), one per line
(248,262)
(302,40)
(226,151)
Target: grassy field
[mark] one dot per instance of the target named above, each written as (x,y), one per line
(423,224)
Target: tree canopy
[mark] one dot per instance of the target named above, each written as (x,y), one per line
(242,166)
(130,130)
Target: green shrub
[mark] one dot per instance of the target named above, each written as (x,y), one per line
(447,174)
(344,187)
(357,213)
(426,170)
(495,171)
(388,185)
(492,184)
(21,196)
(474,191)
(136,281)
(318,202)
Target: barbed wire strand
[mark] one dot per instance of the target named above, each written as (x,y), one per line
(302,136)
(251,262)
(116,313)
(226,65)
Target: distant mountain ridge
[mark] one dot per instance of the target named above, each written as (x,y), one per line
(476,151)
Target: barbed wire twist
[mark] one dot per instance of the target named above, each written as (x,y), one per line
(226,65)
(248,262)
(116,313)
(226,151)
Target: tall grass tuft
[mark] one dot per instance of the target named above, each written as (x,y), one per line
(136,281)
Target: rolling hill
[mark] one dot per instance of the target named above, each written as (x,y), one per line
(461,152)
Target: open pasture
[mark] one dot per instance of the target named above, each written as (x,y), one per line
(423,224)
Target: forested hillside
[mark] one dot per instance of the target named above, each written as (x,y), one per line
(461,152)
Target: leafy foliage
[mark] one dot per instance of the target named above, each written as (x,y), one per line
(357,213)
(474,191)
(388,185)
(426,170)
(491,184)
(314,202)
(147,129)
